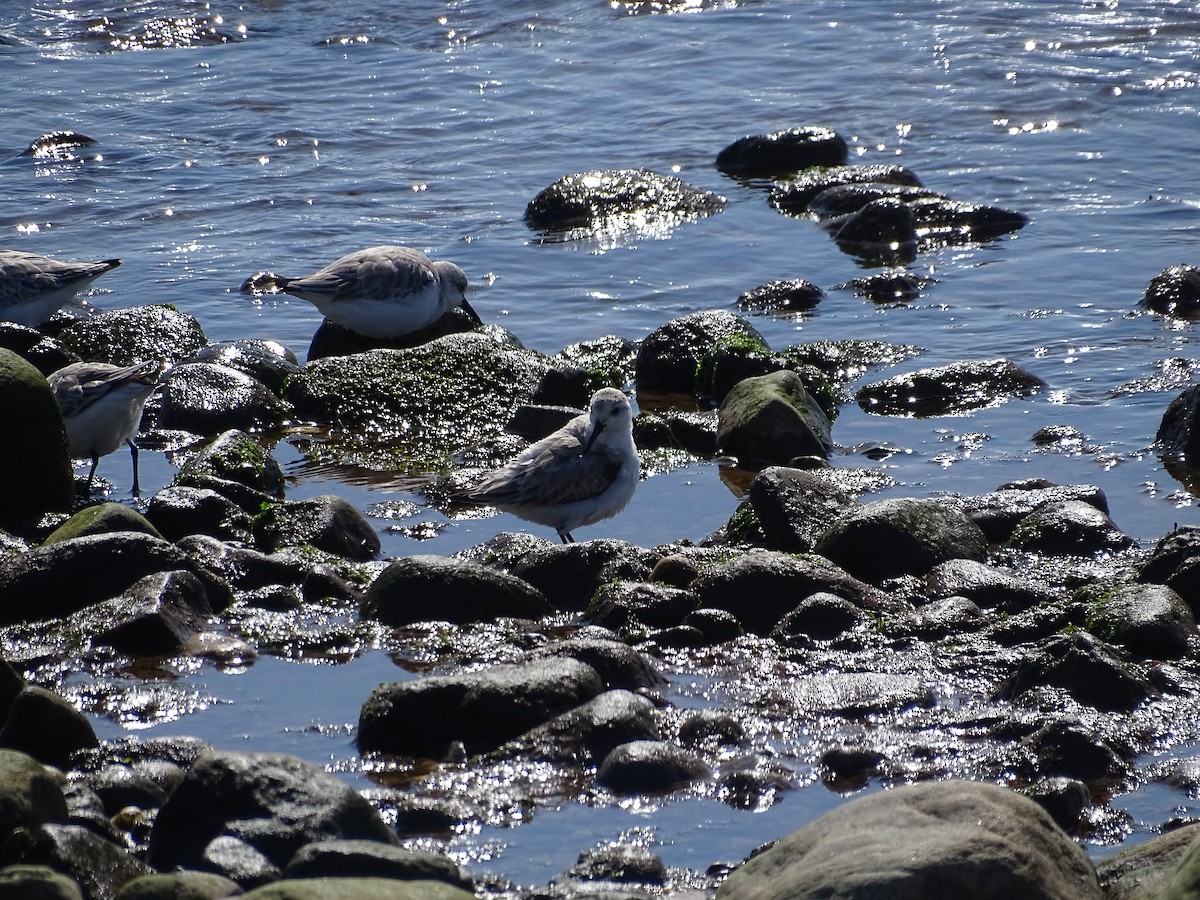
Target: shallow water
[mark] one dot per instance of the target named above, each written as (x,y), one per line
(267,135)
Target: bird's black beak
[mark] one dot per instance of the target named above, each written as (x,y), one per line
(471,312)
(599,426)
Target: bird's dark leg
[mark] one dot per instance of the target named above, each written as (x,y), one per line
(566,537)
(133,451)
(92,474)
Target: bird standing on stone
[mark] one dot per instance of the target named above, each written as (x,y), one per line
(33,287)
(384,292)
(102,408)
(582,473)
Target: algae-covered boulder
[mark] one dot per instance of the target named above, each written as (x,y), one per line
(232,459)
(770,420)
(35,468)
(127,336)
(103,518)
(326,522)
(668,360)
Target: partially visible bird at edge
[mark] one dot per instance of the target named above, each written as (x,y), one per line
(579,475)
(102,408)
(33,287)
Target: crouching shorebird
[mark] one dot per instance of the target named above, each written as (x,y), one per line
(384,292)
(102,407)
(33,288)
(582,473)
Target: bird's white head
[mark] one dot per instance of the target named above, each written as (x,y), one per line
(454,287)
(610,418)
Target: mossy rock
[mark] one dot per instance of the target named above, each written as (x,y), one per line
(234,457)
(102,518)
(127,336)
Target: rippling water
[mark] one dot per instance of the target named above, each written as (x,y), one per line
(279,135)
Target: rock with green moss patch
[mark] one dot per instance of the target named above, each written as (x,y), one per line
(37,883)
(233,457)
(326,522)
(1069,528)
(126,336)
(668,361)
(582,369)
(102,518)
(770,420)
(1151,621)
(186,885)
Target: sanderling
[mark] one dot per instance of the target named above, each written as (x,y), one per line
(582,473)
(384,292)
(32,287)
(102,407)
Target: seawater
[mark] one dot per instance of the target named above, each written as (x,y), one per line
(233,138)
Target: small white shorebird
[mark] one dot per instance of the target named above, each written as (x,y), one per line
(384,292)
(582,473)
(33,288)
(102,407)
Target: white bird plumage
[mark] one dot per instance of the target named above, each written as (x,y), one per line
(582,473)
(384,292)
(102,408)
(33,287)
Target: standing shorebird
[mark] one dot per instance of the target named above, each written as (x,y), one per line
(582,473)
(384,292)
(33,288)
(102,407)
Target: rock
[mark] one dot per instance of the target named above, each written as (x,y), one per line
(234,456)
(939,619)
(371,859)
(1069,528)
(717,626)
(1064,798)
(625,863)
(727,363)
(178,511)
(46,727)
(1143,871)
(940,839)
(275,803)
(239,861)
(483,709)
(1083,667)
(37,349)
(950,389)
(649,767)
(792,295)
(754,783)
(11,684)
(332,339)
(97,865)
(882,232)
(705,727)
(795,195)
(782,152)
(585,735)
(901,536)
(178,886)
(209,399)
(60,579)
(156,616)
(617,664)
(582,369)
(819,617)
(1178,437)
(668,359)
(999,512)
(358,889)
(1175,291)
(1175,562)
(889,287)
(327,522)
(795,506)
(118,786)
(103,518)
(30,795)
(1150,621)
(1062,748)
(37,883)
(268,362)
(770,420)
(433,588)
(126,336)
(942,221)
(853,695)
(245,569)
(35,469)
(987,587)
(842,200)
(633,605)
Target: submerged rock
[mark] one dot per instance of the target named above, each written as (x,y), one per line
(234,458)
(1175,291)
(793,295)
(950,389)
(782,152)
(794,196)
(882,232)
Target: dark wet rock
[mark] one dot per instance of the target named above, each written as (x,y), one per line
(97,865)
(37,883)
(941,220)
(1069,528)
(48,582)
(164,761)
(650,767)
(1175,291)
(857,694)
(1085,668)
(30,795)
(945,839)
(46,727)
(621,863)
(792,295)
(243,568)
(35,469)
(846,199)
(1150,621)
(668,359)
(617,201)
(534,422)
(761,587)
(727,363)
(676,570)
(371,859)
(118,786)
(795,506)
(711,727)
(483,709)
(1061,437)
(179,886)
(890,287)
(208,398)
(818,617)
(676,429)
(49,144)
(11,684)
(716,625)
(1175,562)
(988,587)
(87,810)
(357,889)
(847,360)
(156,616)
(585,735)
(327,522)
(630,605)
(946,390)
(846,763)
(134,334)
(40,351)
(332,339)
(999,512)
(782,152)
(239,861)
(1066,749)
(884,231)
(103,518)
(234,456)
(754,783)
(904,536)
(568,575)
(275,803)
(794,196)
(770,420)
(1066,799)
(1178,435)
(582,369)
(431,815)
(178,511)
(457,391)
(268,362)
(1037,623)
(617,664)
(1143,871)
(433,588)
(939,619)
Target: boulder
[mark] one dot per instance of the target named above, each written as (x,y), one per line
(948,390)
(327,522)
(46,727)
(585,735)
(1175,562)
(650,767)
(209,398)
(782,152)
(97,865)
(669,358)
(268,362)
(30,794)
(133,334)
(795,195)
(770,420)
(358,889)
(1150,621)
(1069,528)
(794,506)
(1178,436)
(37,883)
(987,587)
(791,295)
(883,232)
(236,458)
(156,616)
(178,886)
(103,518)
(1175,291)
(999,512)
(1143,871)
(371,859)
(1085,668)
(178,511)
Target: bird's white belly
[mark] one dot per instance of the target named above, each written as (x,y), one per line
(384,317)
(103,426)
